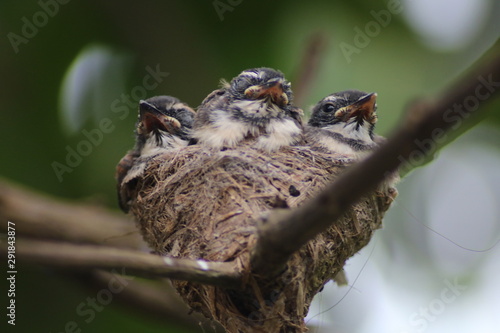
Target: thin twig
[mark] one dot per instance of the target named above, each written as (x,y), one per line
(284,232)
(130,262)
(309,66)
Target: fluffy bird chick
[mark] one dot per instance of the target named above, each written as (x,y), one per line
(344,123)
(254,105)
(164,124)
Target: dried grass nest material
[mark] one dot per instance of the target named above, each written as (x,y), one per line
(199,203)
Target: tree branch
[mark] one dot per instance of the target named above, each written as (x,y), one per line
(40,216)
(309,66)
(130,262)
(153,298)
(284,232)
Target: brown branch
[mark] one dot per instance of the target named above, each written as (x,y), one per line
(156,299)
(309,66)
(66,255)
(284,232)
(41,216)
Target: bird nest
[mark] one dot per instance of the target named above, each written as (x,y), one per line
(198,203)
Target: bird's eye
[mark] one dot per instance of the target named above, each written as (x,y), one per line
(328,108)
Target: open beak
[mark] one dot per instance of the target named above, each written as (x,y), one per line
(272,89)
(153,119)
(363,108)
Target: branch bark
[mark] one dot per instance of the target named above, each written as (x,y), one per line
(309,66)
(130,262)
(156,299)
(285,232)
(41,216)
(148,297)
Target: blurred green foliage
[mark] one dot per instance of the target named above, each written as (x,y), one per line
(188,40)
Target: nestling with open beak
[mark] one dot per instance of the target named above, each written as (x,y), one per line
(343,123)
(254,105)
(164,124)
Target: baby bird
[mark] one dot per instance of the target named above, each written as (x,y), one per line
(164,124)
(254,105)
(343,123)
